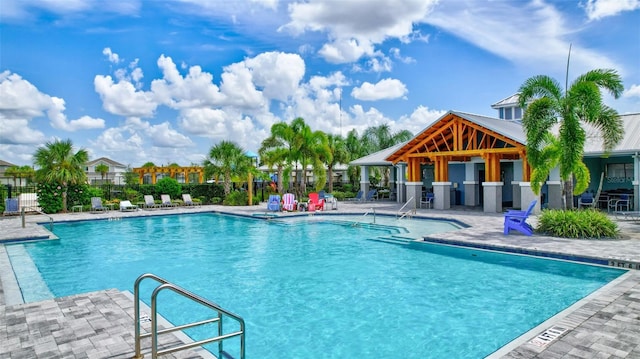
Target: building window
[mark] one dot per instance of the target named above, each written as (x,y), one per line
(619,172)
(518,113)
(501,113)
(507,113)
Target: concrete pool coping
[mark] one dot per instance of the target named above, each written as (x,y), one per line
(605,324)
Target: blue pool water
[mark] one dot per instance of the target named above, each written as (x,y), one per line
(315,288)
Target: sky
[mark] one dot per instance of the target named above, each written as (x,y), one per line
(165,80)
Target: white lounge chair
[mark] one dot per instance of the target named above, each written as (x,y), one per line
(126,206)
(166,201)
(186,198)
(150,203)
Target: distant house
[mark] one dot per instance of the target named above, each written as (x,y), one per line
(114,175)
(3,167)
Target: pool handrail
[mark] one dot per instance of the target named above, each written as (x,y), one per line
(410,200)
(164,284)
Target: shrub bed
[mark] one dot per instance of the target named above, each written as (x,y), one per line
(589,224)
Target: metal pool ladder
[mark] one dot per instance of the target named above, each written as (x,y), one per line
(220,314)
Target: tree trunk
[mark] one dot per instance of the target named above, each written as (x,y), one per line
(64,198)
(568,193)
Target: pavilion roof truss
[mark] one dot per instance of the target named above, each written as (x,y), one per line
(454,138)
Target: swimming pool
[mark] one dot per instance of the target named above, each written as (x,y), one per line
(312,288)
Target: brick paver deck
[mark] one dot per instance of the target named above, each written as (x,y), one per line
(100,324)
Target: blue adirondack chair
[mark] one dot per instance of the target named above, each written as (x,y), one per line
(517,220)
(274,202)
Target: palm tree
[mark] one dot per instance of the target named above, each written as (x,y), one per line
(228,158)
(26,172)
(311,147)
(273,155)
(339,154)
(282,140)
(13,171)
(546,105)
(380,137)
(355,148)
(59,165)
(103,170)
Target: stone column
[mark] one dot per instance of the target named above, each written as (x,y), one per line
(527,195)
(471,195)
(470,183)
(636,182)
(515,184)
(492,197)
(554,190)
(441,195)
(364,179)
(401,176)
(414,189)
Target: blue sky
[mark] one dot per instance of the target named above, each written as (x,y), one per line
(165,80)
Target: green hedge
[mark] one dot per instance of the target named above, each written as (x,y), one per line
(587,224)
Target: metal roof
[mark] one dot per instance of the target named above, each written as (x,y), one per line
(630,143)
(507,102)
(511,129)
(377,158)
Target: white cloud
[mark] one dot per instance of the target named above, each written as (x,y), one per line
(489,25)
(122,98)
(112,56)
(633,91)
(356,26)
(278,74)
(163,135)
(59,119)
(598,9)
(383,90)
(418,120)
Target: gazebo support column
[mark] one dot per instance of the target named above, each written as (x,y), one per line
(492,197)
(636,182)
(527,195)
(515,184)
(470,183)
(364,179)
(401,190)
(414,190)
(441,195)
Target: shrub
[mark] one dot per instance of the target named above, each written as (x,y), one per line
(50,197)
(236,198)
(590,224)
(170,186)
(340,196)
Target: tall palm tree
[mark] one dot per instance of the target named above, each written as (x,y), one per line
(228,158)
(271,154)
(58,164)
(283,139)
(311,147)
(378,138)
(355,148)
(547,105)
(103,170)
(339,154)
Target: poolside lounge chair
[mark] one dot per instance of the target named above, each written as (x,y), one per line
(315,202)
(517,220)
(166,201)
(186,198)
(371,194)
(427,200)
(96,205)
(149,202)
(11,206)
(273,204)
(126,206)
(289,202)
(621,202)
(358,196)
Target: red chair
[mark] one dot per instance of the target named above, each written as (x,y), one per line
(315,202)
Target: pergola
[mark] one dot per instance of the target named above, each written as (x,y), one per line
(171,170)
